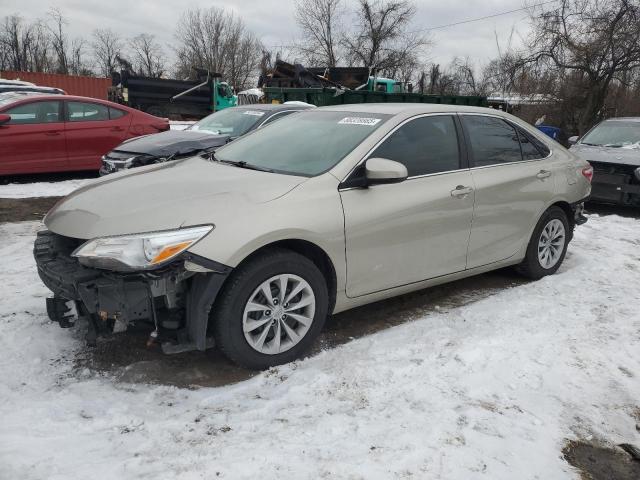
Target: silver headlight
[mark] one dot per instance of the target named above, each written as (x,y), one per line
(139,251)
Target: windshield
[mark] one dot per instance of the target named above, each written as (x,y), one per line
(230,121)
(614,134)
(306,144)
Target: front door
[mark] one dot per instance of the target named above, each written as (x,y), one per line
(34,140)
(513,177)
(403,233)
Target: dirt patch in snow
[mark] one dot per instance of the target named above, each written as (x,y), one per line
(127,357)
(596,462)
(25,209)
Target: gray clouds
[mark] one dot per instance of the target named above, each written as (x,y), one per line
(273,21)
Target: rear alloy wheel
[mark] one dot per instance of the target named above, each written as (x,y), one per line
(271,309)
(551,243)
(548,245)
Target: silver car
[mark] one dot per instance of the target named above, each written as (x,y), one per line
(613,149)
(335,208)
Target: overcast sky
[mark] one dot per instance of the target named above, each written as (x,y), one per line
(272,20)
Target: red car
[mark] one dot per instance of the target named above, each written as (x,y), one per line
(54,133)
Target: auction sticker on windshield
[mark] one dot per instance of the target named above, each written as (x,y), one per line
(255,113)
(359,121)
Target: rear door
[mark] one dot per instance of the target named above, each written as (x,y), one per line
(91,132)
(34,140)
(514,177)
(402,233)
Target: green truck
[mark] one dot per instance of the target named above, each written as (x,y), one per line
(325,96)
(345,85)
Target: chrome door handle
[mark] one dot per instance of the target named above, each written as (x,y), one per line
(461,191)
(543,174)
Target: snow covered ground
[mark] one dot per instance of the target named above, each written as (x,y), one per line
(42,189)
(487,390)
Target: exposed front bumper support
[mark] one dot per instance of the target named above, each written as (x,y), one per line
(578,213)
(173,298)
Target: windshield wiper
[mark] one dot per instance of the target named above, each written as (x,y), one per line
(243,164)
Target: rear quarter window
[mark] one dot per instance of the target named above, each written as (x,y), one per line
(115,113)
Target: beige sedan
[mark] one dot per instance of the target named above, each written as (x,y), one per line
(321,212)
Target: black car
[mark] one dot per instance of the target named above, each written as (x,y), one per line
(204,136)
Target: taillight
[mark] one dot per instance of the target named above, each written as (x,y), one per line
(587,172)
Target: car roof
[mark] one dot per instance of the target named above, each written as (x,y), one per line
(623,119)
(416,108)
(273,107)
(24,97)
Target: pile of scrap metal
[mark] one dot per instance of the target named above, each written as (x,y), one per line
(286,75)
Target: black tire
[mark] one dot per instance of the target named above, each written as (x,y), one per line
(531,266)
(228,309)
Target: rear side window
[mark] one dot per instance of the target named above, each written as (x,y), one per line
(424,145)
(493,141)
(115,113)
(87,112)
(34,112)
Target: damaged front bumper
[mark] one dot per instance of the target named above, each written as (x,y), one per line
(176,299)
(116,161)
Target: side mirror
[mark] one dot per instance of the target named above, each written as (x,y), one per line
(4,118)
(573,140)
(382,170)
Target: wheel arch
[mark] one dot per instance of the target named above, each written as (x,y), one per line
(313,252)
(568,210)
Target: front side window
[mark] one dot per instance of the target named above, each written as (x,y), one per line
(308,143)
(617,134)
(493,141)
(424,145)
(34,112)
(87,112)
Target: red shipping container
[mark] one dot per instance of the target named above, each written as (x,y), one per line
(94,87)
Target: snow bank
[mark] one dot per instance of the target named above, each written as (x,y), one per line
(42,189)
(488,389)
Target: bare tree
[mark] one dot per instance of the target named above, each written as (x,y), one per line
(216,40)
(59,40)
(321,31)
(24,47)
(598,40)
(148,56)
(380,40)
(106,47)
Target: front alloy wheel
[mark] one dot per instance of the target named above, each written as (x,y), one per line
(278,314)
(271,309)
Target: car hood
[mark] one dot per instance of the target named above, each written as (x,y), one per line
(172,142)
(170,195)
(616,155)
